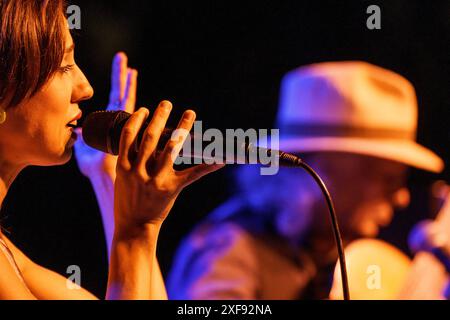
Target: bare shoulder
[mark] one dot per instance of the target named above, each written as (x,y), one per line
(12,286)
(38,282)
(20,258)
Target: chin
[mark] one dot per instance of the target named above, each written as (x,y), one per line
(369,231)
(55,158)
(65,157)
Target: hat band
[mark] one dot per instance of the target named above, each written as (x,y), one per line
(312,130)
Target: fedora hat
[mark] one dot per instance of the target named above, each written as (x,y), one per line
(352,107)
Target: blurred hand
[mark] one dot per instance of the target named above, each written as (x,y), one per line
(121,97)
(147,184)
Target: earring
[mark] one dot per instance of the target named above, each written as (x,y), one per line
(2,115)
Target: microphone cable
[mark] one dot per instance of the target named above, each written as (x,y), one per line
(299,163)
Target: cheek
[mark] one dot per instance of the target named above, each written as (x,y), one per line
(358,193)
(48,113)
(51,113)
(370,216)
(54,100)
(364,209)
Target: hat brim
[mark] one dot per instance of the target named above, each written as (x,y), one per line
(403,151)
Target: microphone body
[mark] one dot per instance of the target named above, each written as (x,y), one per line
(102,131)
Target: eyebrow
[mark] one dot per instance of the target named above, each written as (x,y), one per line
(70,49)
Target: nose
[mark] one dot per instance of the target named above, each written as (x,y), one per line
(401,198)
(82,89)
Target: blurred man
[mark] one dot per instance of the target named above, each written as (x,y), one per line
(355,124)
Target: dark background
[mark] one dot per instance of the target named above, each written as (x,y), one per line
(225,60)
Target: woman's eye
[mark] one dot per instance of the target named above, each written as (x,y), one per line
(66,69)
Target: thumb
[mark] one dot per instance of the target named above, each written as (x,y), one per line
(191,175)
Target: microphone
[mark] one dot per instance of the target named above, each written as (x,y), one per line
(429,237)
(102,131)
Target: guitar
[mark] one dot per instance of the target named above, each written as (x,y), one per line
(379,271)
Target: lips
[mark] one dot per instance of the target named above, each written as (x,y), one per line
(74,122)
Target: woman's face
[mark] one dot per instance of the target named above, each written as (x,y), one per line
(37,131)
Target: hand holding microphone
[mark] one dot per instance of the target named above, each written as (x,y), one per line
(147,183)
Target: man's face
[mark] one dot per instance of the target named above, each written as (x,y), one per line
(365,190)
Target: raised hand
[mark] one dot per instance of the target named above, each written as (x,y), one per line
(122,97)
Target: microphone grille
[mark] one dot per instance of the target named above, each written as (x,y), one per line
(102,129)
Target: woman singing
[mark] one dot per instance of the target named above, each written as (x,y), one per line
(40,88)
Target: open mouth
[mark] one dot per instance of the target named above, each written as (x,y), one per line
(74,123)
(71,127)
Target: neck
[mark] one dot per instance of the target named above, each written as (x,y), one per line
(8,172)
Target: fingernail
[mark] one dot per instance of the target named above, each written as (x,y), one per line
(119,56)
(189,115)
(166,105)
(142,109)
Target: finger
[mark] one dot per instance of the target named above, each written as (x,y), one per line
(118,80)
(129,100)
(153,133)
(174,145)
(191,175)
(123,75)
(128,137)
